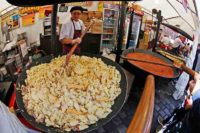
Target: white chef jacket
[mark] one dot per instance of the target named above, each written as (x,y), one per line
(165,40)
(67,30)
(151,35)
(177,42)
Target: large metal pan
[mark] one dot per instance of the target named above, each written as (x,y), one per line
(119,101)
(176,71)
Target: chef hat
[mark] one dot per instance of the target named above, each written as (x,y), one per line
(76,8)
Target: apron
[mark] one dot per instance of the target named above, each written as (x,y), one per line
(77,33)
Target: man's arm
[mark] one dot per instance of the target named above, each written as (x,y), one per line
(65,35)
(181,44)
(65,41)
(65,32)
(193,89)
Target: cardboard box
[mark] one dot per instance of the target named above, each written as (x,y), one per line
(87,16)
(98,15)
(137,7)
(94,14)
(97,27)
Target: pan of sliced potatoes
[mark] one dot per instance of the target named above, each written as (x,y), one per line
(80,97)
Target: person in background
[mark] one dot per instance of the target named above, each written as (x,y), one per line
(184,51)
(180,114)
(191,121)
(178,44)
(71,31)
(165,42)
(151,38)
(151,34)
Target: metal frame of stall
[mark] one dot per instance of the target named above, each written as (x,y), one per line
(122,16)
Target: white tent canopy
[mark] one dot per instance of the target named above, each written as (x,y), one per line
(4,4)
(5,7)
(187,21)
(174,13)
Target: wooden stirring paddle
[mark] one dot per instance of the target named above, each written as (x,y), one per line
(175,65)
(148,62)
(68,56)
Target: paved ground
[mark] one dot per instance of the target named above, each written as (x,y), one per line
(164,102)
(164,105)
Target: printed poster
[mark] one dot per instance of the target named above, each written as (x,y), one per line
(15,21)
(28,19)
(10,19)
(42,11)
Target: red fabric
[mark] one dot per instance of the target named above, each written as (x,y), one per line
(13,98)
(23,121)
(20,117)
(162,46)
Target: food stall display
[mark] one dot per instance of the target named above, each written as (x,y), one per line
(171,56)
(126,30)
(92,89)
(74,99)
(135,31)
(88,16)
(88,80)
(133,25)
(110,24)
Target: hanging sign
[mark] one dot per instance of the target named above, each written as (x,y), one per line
(15,21)
(38,9)
(86,4)
(28,19)
(42,11)
(100,6)
(28,10)
(11,19)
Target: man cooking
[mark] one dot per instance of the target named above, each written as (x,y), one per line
(178,44)
(72,30)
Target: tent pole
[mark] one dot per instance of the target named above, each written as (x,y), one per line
(121,30)
(130,29)
(171,18)
(195,6)
(159,17)
(53,29)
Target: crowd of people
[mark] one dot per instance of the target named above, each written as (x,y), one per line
(178,46)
